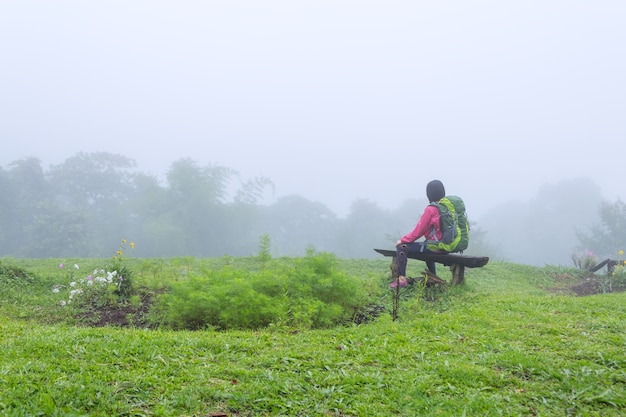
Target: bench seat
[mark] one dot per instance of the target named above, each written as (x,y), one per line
(455,261)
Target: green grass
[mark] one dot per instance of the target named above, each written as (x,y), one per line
(502,345)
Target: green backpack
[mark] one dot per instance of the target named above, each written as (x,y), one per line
(454,225)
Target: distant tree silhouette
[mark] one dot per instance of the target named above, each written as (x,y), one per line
(607,236)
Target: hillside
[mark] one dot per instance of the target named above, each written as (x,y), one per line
(515,340)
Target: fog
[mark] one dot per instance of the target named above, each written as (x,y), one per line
(332,100)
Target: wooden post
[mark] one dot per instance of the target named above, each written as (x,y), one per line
(458,274)
(394,268)
(396,293)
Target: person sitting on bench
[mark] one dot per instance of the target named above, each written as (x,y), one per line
(429,226)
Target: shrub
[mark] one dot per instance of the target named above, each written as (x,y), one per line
(310,294)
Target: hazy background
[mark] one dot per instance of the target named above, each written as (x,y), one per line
(332,100)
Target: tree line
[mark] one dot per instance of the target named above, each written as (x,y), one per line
(85,205)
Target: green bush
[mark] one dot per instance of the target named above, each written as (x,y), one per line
(311,293)
(14,275)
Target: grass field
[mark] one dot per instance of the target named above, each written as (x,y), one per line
(514,341)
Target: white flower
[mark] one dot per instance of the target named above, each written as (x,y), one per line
(55,290)
(63,303)
(73,292)
(73,284)
(76,266)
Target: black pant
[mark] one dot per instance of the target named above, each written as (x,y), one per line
(404,249)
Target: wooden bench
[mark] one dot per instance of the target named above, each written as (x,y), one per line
(456,262)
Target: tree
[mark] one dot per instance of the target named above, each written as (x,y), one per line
(57,232)
(543,231)
(23,191)
(366,227)
(94,181)
(252,190)
(5,203)
(296,224)
(196,200)
(97,186)
(608,236)
(554,215)
(405,217)
(208,184)
(148,218)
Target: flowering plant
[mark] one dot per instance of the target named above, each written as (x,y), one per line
(618,275)
(125,284)
(115,279)
(100,278)
(119,253)
(69,273)
(585,260)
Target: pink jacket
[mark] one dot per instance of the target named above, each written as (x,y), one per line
(430,221)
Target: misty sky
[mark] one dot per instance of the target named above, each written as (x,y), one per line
(333,100)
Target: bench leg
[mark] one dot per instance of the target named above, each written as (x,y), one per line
(458,274)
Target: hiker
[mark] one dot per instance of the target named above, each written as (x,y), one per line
(428,226)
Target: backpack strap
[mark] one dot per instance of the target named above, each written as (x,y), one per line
(432,231)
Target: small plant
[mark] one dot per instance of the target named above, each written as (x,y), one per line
(124,274)
(618,275)
(70,284)
(585,260)
(96,288)
(264,249)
